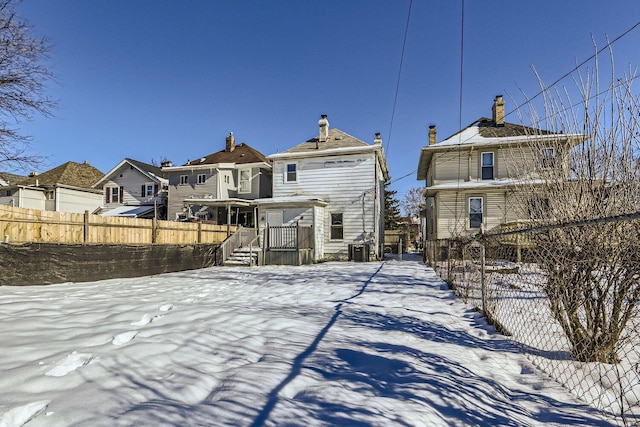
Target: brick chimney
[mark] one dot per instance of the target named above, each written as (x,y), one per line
(231,143)
(377,140)
(498,111)
(432,135)
(323,123)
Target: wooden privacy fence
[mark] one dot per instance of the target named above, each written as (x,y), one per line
(31,225)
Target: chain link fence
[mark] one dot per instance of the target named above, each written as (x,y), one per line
(567,295)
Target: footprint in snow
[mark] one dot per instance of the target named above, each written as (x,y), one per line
(21,415)
(124,337)
(146,319)
(72,362)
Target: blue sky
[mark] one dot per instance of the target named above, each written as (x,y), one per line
(153,79)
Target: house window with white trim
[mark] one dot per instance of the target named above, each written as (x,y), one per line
(202,178)
(149,189)
(337,226)
(475,212)
(184,179)
(244,181)
(292,172)
(487,165)
(114,194)
(548,157)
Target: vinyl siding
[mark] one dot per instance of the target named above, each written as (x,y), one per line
(177,192)
(348,182)
(69,200)
(132,181)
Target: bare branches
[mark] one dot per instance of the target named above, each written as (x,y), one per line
(593,270)
(23,84)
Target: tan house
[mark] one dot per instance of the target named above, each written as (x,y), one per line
(472,176)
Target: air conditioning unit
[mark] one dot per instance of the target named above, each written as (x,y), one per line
(358,252)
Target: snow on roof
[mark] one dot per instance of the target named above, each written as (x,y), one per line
(132,211)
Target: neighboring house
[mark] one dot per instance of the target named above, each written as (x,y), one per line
(333,182)
(134,189)
(9,179)
(66,188)
(220,187)
(472,176)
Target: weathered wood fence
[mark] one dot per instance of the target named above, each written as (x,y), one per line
(18,225)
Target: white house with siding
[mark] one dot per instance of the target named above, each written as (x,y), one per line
(333,182)
(65,188)
(134,189)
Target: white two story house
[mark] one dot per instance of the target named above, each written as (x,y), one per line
(334,183)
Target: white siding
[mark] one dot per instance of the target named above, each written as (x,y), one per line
(348,182)
(70,200)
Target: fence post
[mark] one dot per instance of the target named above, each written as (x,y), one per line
(449,261)
(483,289)
(154,230)
(86,227)
(200,232)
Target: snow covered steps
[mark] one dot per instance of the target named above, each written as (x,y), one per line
(243,257)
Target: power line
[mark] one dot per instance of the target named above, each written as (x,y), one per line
(567,74)
(395,100)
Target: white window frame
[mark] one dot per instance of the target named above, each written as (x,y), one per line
(548,161)
(244,185)
(184,179)
(201,178)
(294,172)
(472,210)
(492,165)
(114,193)
(333,226)
(146,189)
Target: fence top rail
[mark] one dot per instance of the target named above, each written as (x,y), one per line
(547,227)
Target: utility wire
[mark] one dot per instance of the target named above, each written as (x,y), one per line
(395,100)
(568,73)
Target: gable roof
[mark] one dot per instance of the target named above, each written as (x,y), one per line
(73,174)
(154,173)
(241,154)
(336,139)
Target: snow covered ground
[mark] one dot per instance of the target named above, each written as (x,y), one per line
(345,344)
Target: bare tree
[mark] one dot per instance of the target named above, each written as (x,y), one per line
(23,80)
(581,202)
(414,202)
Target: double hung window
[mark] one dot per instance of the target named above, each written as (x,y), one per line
(291,173)
(475,212)
(487,165)
(336,226)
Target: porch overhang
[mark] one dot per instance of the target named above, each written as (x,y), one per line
(222,203)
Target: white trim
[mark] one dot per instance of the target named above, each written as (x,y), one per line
(241,181)
(285,175)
